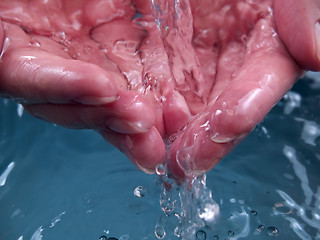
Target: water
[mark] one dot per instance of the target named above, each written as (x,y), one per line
(71,184)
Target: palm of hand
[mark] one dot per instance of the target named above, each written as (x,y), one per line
(135,86)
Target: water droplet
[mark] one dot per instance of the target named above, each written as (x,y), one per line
(201,235)
(230,233)
(103,48)
(273,231)
(167,206)
(177,232)
(103,238)
(235,182)
(35,43)
(254,213)
(140,191)
(87,49)
(216,237)
(112,238)
(161,170)
(159,231)
(260,228)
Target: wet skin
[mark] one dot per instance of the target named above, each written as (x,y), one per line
(188,94)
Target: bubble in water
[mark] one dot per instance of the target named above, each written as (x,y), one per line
(253,213)
(161,170)
(230,233)
(273,231)
(201,235)
(216,237)
(234,182)
(159,232)
(103,238)
(112,238)
(140,191)
(261,228)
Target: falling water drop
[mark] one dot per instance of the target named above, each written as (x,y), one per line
(273,231)
(159,232)
(260,228)
(254,213)
(140,191)
(201,235)
(161,170)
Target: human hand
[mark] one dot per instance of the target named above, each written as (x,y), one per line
(106,72)
(252,56)
(76,63)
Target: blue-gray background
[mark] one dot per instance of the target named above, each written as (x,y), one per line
(57,183)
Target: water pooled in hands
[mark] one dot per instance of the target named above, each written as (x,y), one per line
(175,23)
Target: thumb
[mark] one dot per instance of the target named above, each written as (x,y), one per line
(298,25)
(1,35)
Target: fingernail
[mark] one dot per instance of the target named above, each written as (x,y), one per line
(125,127)
(317,37)
(89,100)
(146,170)
(218,138)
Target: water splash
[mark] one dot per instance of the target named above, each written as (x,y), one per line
(308,211)
(310,131)
(292,101)
(5,174)
(56,219)
(37,234)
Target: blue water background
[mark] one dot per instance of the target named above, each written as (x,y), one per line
(70,184)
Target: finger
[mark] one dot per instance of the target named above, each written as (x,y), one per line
(1,34)
(267,74)
(39,76)
(298,24)
(145,150)
(128,114)
(193,152)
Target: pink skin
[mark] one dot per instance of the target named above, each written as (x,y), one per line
(87,64)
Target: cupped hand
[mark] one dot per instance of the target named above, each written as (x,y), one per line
(187,94)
